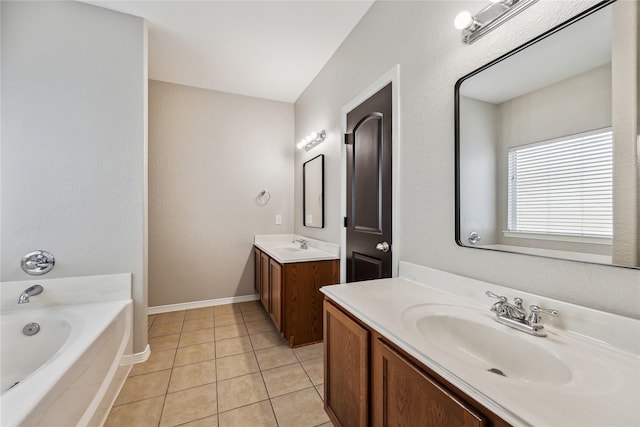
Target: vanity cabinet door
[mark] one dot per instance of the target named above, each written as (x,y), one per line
(275,283)
(403,395)
(257,273)
(265,290)
(346,368)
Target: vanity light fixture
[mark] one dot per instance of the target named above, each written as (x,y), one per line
(313,139)
(492,16)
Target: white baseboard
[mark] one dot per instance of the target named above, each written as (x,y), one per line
(199,304)
(130,359)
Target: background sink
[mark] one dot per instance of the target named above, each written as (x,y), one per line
(486,347)
(289,249)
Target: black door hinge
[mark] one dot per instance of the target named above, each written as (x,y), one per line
(348,138)
(345,221)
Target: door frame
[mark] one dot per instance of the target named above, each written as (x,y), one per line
(392,76)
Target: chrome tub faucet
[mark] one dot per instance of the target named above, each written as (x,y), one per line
(29,292)
(515,316)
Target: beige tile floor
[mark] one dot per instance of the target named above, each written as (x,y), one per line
(222,366)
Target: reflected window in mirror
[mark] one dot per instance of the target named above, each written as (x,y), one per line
(313,192)
(550,100)
(562,189)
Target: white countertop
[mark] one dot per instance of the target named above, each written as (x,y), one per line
(601,349)
(281,248)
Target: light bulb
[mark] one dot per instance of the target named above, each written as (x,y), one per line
(463,20)
(314,135)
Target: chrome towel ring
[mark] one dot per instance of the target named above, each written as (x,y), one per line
(263,197)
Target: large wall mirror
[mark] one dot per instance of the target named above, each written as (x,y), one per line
(534,144)
(313,192)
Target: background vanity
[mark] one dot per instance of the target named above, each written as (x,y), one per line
(288,280)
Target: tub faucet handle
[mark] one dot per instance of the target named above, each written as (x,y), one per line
(37,263)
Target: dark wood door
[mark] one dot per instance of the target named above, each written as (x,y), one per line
(368,252)
(346,369)
(403,395)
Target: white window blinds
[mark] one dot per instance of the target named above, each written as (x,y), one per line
(562,186)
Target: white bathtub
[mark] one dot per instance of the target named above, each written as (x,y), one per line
(69,373)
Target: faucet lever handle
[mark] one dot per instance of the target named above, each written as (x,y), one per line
(536,310)
(499,297)
(497,306)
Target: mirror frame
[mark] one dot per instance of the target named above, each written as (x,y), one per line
(304,191)
(559,27)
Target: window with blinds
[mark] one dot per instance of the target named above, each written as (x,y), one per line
(562,186)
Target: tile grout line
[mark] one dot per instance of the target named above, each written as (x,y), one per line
(164,397)
(215,361)
(166,393)
(273,411)
(215,358)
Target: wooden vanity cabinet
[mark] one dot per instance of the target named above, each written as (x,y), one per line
(257,271)
(268,278)
(404,395)
(275,283)
(370,381)
(346,368)
(290,293)
(265,283)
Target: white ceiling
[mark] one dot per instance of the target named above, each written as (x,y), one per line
(266,49)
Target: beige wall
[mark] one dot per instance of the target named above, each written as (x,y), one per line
(210,154)
(73,143)
(421,38)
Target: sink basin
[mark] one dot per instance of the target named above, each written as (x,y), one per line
(473,338)
(289,249)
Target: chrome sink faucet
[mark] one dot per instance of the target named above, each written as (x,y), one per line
(515,316)
(303,243)
(29,292)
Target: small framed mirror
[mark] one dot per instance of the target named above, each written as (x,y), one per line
(535,145)
(313,192)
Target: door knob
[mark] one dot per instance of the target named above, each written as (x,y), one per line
(383,247)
